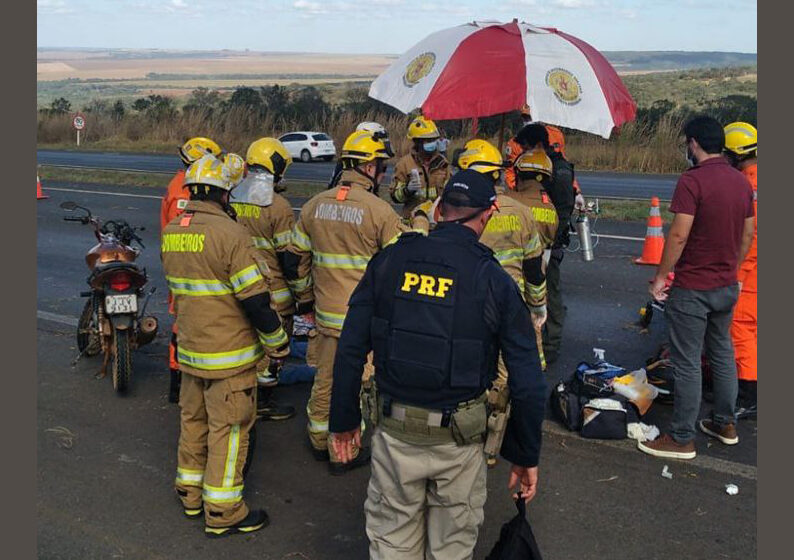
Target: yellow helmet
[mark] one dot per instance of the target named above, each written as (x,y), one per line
(209,171)
(741,138)
(363,146)
(270,154)
(481,156)
(533,165)
(421,128)
(236,165)
(196,148)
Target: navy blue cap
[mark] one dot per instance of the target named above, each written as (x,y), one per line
(478,190)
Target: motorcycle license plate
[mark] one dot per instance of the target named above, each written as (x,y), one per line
(127,303)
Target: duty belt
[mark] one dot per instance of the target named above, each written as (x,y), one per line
(423,426)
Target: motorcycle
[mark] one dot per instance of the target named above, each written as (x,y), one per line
(112,322)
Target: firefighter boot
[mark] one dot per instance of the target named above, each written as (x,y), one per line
(270,410)
(255,520)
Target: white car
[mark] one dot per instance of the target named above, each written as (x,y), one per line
(308,146)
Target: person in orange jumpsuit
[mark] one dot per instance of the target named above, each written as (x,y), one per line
(741,149)
(556,141)
(173,204)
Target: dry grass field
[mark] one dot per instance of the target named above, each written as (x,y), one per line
(136,65)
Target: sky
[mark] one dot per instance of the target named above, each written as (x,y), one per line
(387,26)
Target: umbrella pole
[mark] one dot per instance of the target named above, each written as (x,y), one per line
(474,125)
(502,132)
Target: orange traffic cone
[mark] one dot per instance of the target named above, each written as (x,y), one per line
(654,237)
(39,194)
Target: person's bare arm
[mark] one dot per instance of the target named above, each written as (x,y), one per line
(673,247)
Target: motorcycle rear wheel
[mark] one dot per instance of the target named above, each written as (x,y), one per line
(88,341)
(122,359)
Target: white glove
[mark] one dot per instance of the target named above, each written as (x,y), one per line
(579,202)
(414,184)
(538,315)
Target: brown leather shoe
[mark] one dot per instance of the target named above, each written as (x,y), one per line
(666,446)
(726,434)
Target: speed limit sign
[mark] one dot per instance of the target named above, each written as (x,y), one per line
(78,122)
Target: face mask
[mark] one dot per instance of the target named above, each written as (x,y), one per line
(256,189)
(430,146)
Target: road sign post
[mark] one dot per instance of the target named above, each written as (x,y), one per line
(79,124)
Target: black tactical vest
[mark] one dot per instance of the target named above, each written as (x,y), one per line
(435,324)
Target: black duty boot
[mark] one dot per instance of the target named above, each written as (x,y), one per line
(361,459)
(255,520)
(270,410)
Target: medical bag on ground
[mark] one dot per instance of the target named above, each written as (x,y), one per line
(607,418)
(566,405)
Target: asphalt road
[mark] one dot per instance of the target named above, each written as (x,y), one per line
(106,463)
(594,184)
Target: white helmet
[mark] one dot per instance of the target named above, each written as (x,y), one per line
(379,132)
(370,126)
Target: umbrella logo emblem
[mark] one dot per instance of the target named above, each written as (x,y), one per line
(565,86)
(418,68)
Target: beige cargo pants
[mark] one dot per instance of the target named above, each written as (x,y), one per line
(319,406)
(216,417)
(424,502)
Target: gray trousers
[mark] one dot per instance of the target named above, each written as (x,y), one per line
(695,318)
(424,502)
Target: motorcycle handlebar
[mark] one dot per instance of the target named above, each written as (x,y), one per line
(72,219)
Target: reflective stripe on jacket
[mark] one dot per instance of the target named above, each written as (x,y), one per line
(211,265)
(337,233)
(271,229)
(513,237)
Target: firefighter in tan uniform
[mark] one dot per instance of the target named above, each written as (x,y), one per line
(513,237)
(173,203)
(420,175)
(336,235)
(225,325)
(533,171)
(268,217)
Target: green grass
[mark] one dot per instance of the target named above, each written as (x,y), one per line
(144,179)
(631,210)
(619,210)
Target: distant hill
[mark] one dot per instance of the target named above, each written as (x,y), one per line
(650,61)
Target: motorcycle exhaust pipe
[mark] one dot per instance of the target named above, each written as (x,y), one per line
(147,330)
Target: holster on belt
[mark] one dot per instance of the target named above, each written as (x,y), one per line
(499,412)
(369,401)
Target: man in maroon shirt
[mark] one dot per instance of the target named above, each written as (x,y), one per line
(708,239)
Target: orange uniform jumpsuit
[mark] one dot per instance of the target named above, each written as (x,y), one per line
(173,204)
(744,330)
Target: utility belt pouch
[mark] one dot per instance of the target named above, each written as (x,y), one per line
(369,402)
(469,422)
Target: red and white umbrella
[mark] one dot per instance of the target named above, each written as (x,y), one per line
(486,68)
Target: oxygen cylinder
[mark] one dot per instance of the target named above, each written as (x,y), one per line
(583,230)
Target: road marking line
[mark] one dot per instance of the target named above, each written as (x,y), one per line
(57,318)
(107,193)
(604,235)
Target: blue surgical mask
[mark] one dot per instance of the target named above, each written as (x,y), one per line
(430,146)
